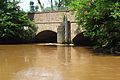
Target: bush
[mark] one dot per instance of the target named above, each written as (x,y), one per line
(15,24)
(101,21)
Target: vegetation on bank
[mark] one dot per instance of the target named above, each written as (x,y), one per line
(101,21)
(15,26)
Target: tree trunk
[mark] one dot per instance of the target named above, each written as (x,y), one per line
(52,5)
(41,6)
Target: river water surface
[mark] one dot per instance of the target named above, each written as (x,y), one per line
(37,62)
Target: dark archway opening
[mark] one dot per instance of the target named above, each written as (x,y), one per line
(46,36)
(81,40)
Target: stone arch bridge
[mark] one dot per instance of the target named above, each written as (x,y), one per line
(48,22)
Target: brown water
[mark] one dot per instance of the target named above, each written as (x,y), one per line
(36,62)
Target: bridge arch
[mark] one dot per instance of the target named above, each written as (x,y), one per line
(82,40)
(46,36)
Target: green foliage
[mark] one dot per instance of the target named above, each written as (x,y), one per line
(14,23)
(101,21)
(62,4)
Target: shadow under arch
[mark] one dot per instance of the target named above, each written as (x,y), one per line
(46,36)
(81,40)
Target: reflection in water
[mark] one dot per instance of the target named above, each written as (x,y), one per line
(37,62)
(64,54)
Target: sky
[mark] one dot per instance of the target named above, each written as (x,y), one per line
(24,4)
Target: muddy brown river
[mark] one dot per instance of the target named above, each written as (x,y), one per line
(41,62)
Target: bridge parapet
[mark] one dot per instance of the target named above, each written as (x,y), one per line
(56,16)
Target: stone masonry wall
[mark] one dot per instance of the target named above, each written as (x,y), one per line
(51,20)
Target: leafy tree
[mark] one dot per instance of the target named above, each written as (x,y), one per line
(14,23)
(101,21)
(62,4)
(33,8)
